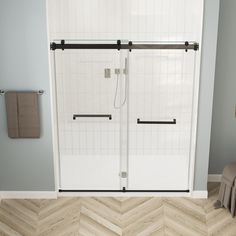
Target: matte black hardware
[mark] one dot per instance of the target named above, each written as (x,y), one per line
(123,189)
(62,44)
(196,47)
(126,190)
(157,122)
(53,46)
(186,45)
(130,46)
(118,45)
(91,115)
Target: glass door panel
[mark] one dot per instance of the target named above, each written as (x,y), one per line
(89,87)
(160,112)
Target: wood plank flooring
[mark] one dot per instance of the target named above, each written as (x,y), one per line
(89,216)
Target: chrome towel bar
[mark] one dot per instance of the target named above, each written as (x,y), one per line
(40,92)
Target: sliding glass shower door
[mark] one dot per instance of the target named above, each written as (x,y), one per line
(90,87)
(160,118)
(125,113)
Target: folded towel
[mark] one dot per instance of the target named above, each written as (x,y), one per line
(229,174)
(233,200)
(22,114)
(227,193)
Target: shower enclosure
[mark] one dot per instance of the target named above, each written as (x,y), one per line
(124,114)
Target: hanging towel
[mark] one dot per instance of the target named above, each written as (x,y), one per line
(12,116)
(227,193)
(22,114)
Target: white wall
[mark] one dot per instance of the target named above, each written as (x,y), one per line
(210,30)
(25,164)
(223,134)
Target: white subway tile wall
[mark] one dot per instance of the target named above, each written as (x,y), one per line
(160,20)
(83,89)
(161,86)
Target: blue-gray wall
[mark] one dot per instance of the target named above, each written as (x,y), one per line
(28,164)
(209,45)
(25,164)
(223,135)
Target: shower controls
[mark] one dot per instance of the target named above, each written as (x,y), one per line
(117,71)
(107,73)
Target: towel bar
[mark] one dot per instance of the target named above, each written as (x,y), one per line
(40,92)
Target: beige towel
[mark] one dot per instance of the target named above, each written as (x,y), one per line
(22,114)
(227,193)
(12,114)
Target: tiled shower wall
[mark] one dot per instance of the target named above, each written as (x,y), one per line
(161,89)
(161,20)
(161,83)
(82,89)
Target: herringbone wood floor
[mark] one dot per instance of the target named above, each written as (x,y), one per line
(116,216)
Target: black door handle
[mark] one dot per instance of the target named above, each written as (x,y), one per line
(156,122)
(92,116)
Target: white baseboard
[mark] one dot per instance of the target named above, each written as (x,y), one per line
(214,178)
(121,194)
(28,195)
(55,195)
(200,194)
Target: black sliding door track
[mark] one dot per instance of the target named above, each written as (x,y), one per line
(123,191)
(130,46)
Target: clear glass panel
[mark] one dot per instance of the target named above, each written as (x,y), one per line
(161,89)
(89,82)
(109,103)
